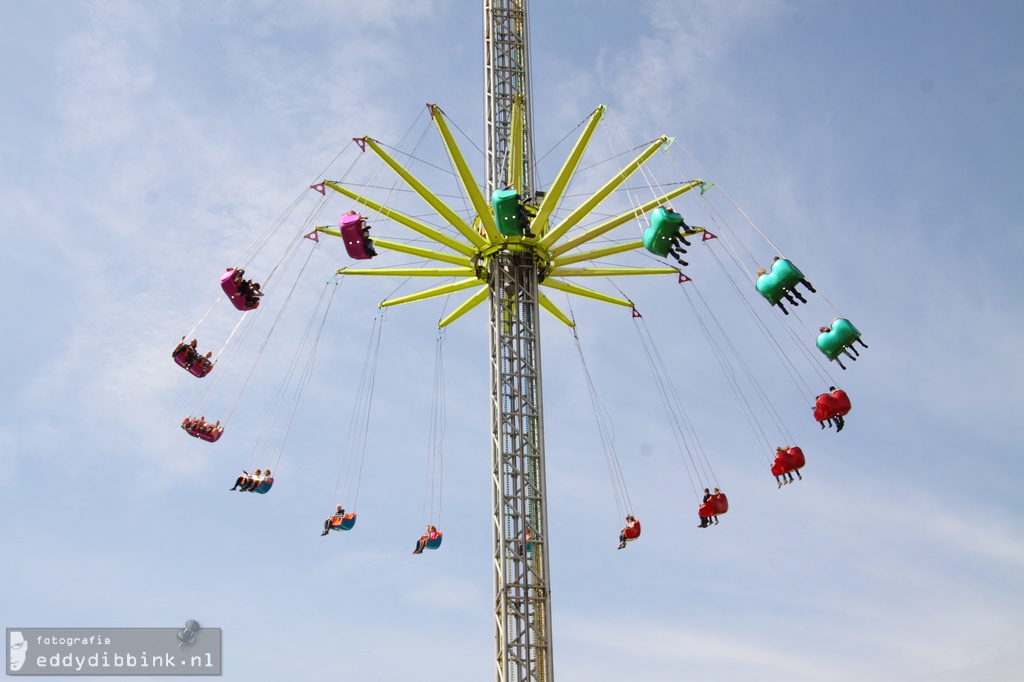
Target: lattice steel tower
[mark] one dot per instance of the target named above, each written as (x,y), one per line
(522,607)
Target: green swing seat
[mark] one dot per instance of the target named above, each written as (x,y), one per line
(841,336)
(507,212)
(784,276)
(658,236)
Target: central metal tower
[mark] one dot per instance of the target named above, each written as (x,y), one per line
(511,246)
(522,607)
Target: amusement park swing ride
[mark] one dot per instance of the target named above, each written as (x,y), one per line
(514,247)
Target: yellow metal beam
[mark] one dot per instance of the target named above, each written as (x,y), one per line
(557,189)
(432,293)
(610,272)
(473,301)
(622,218)
(583,291)
(600,253)
(601,194)
(435,202)
(400,218)
(476,197)
(412,272)
(429,254)
(547,305)
(328,230)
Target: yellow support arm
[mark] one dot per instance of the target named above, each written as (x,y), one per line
(600,253)
(624,217)
(476,197)
(400,218)
(435,202)
(601,194)
(429,254)
(412,272)
(609,272)
(557,188)
(474,300)
(582,291)
(431,293)
(547,305)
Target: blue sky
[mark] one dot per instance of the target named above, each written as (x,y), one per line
(878,145)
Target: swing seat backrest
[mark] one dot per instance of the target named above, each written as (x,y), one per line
(343,522)
(782,277)
(720,503)
(506,212)
(264,486)
(632,531)
(795,458)
(841,335)
(227,284)
(841,402)
(707,509)
(434,543)
(664,224)
(786,462)
(351,226)
(831,405)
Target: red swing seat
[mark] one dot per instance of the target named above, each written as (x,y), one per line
(788,461)
(831,405)
(716,505)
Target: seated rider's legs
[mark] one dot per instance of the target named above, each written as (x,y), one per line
(676,239)
(672,253)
